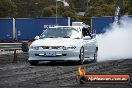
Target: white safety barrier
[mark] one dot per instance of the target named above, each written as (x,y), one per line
(11,48)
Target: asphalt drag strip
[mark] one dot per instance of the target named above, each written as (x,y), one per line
(57,75)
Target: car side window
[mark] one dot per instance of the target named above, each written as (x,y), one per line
(85,32)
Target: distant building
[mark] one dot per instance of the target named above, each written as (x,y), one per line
(80,13)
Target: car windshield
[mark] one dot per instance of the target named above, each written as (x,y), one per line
(60,33)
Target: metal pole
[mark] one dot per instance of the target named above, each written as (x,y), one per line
(56,12)
(15,56)
(14,30)
(87,3)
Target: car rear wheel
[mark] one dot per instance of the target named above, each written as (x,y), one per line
(95,54)
(81,56)
(33,62)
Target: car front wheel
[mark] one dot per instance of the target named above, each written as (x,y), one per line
(81,56)
(33,62)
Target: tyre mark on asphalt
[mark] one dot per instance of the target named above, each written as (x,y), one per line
(109,68)
(13,66)
(25,77)
(95,85)
(24,70)
(104,67)
(56,80)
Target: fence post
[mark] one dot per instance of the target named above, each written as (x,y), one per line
(15,56)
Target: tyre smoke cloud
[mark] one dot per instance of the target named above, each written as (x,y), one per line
(116,42)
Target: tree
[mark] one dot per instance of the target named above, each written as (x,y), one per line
(7,8)
(126,7)
(102,10)
(47,8)
(66,11)
(47,12)
(70,14)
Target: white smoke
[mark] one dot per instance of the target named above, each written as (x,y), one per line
(116,42)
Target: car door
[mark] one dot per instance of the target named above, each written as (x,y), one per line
(89,44)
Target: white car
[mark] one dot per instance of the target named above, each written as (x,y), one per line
(63,43)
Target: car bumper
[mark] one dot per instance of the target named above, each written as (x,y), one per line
(54,55)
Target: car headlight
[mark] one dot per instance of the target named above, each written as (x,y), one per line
(64,48)
(72,47)
(34,47)
(69,47)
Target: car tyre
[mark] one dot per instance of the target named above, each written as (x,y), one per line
(95,54)
(33,62)
(81,56)
(82,80)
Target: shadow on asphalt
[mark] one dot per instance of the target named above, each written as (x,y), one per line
(64,63)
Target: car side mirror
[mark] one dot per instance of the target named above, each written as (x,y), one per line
(36,38)
(93,35)
(86,38)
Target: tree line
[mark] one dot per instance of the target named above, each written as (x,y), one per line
(47,8)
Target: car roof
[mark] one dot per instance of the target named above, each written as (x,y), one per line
(74,27)
(67,26)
